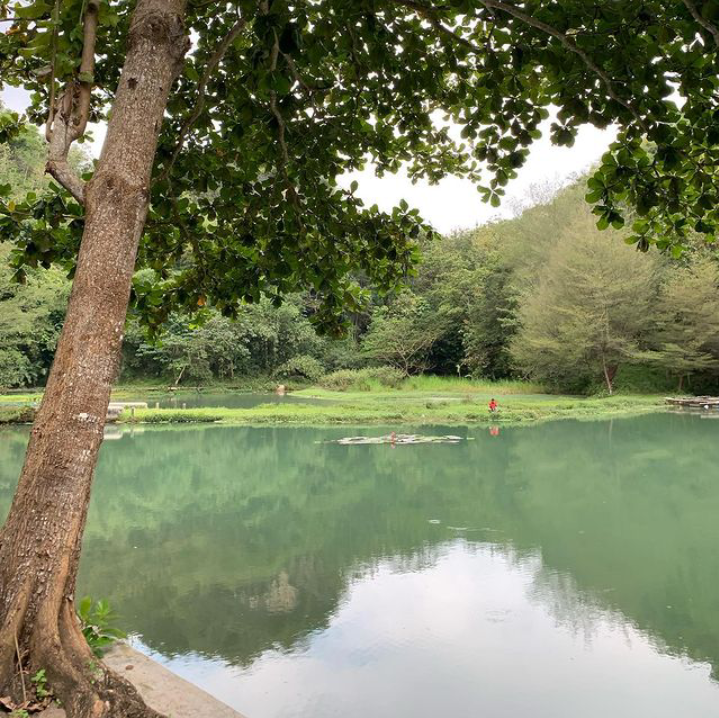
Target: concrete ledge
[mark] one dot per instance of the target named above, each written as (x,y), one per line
(161,689)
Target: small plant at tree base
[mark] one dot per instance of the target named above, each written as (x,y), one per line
(39,680)
(19,714)
(96,619)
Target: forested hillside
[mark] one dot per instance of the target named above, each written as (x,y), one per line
(545,296)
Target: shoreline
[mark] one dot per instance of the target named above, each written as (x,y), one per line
(161,689)
(407,407)
(207,417)
(390,407)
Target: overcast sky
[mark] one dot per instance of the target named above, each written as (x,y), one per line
(453,203)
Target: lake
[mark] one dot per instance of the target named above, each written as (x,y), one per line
(560,570)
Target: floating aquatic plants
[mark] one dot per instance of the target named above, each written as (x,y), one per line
(397,439)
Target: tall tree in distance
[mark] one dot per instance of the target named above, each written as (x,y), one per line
(587,313)
(228,158)
(686,338)
(403,334)
(491,322)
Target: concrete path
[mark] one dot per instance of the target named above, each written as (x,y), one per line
(162,690)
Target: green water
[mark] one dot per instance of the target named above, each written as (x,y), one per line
(567,570)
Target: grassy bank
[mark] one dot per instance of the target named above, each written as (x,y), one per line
(152,389)
(16,414)
(408,407)
(366,400)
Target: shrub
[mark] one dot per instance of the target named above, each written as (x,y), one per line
(387,376)
(15,368)
(17,414)
(301,366)
(340,380)
(173,416)
(436,404)
(362,379)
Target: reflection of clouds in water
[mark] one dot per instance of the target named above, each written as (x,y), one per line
(423,559)
(462,629)
(570,608)
(585,614)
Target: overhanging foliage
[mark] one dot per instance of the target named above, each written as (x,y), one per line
(278,99)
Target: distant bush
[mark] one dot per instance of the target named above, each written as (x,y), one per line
(470,387)
(340,380)
(15,368)
(436,404)
(641,380)
(387,376)
(17,414)
(301,366)
(173,416)
(363,379)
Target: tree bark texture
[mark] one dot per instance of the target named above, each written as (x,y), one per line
(41,539)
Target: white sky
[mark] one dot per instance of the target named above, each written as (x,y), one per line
(453,203)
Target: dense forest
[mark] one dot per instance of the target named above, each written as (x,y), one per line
(545,296)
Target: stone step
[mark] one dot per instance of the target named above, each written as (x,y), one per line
(160,688)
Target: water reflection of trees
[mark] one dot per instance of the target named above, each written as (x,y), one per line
(226,541)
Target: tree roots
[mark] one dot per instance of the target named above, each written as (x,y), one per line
(74,677)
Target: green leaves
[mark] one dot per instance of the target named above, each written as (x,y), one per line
(33,11)
(310,91)
(96,618)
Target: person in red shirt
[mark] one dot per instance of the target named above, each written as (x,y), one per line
(493,406)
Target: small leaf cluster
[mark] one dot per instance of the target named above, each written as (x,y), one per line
(97,618)
(39,681)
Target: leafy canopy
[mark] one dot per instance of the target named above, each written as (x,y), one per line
(245,200)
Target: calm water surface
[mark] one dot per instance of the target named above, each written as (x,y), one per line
(561,571)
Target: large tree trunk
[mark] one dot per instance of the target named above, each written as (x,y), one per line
(40,542)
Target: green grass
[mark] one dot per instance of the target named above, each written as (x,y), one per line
(417,401)
(242,385)
(16,414)
(153,390)
(397,407)
(453,385)
(156,387)
(30,398)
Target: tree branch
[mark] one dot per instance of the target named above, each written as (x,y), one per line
(306,86)
(67,177)
(53,63)
(68,116)
(59,148)
(431,16)
(212,64)
(273,104)
(285,156)
(694,10)
(571,46)
(87,68)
